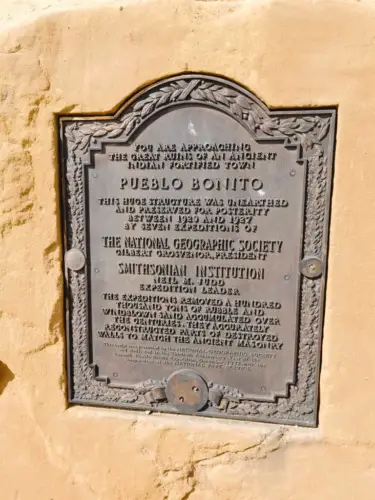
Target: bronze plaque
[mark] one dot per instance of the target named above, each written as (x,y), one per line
(195,227)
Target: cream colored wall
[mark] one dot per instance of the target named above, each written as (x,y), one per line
(58,57)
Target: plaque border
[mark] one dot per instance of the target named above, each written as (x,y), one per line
(310,131)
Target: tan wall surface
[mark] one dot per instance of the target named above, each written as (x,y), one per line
(86,56)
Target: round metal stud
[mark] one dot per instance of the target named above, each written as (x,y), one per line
(311,267)
(74,259)
(187,391)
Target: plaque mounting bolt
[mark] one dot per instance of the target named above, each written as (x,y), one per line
(311,267)
(187,391)
(75,259)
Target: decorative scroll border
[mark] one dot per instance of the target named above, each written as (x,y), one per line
(311,132)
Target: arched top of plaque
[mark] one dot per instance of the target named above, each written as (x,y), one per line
(296,128)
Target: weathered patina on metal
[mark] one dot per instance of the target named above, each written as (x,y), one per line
(195,231)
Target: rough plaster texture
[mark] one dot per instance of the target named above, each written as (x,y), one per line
(87,56)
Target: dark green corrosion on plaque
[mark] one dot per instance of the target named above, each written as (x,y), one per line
(195,230)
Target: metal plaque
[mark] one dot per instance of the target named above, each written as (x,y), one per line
(195,229)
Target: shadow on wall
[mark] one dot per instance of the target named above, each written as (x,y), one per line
(6,376)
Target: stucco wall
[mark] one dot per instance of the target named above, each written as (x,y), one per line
(86,57)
